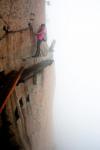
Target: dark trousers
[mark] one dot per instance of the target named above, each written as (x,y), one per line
(38,47)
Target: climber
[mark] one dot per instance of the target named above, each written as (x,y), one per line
(41,36)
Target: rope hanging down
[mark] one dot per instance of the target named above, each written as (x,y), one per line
(9,82)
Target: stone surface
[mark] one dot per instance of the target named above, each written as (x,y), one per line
(29,110)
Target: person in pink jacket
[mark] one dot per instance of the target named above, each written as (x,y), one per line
(41,36)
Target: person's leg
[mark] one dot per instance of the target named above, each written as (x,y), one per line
(38,48)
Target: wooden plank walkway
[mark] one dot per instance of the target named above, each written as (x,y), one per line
(31,71)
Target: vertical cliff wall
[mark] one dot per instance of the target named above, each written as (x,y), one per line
(25,123)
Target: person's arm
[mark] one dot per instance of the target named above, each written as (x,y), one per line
(39,33)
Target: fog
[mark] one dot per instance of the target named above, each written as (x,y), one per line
(75,24)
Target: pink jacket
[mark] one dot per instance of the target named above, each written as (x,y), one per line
(41,35)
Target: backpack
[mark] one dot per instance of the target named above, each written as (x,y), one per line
(45,37)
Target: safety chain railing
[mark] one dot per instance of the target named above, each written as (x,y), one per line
(8,31)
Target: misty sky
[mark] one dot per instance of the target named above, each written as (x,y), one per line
(75,24)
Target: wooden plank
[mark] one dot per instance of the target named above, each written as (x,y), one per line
(33,70)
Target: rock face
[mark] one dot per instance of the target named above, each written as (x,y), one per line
(26,122)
